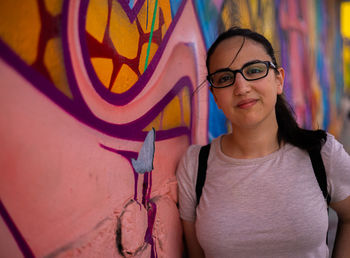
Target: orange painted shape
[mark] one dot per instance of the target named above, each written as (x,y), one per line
(164,29)
(126,78)
(96,18)
(53,60)
(54,7)
(166,10)
(146,22)
(143,55)
(20,27)
(125,35)
(103,68)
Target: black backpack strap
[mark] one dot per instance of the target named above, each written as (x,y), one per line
(202,170)
(320,172)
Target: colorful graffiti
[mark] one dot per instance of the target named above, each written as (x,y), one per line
(82,84)
(94,90)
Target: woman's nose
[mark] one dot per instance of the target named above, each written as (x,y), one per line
(241,85)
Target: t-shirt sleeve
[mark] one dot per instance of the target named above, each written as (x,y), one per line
(186,176)
(337,165)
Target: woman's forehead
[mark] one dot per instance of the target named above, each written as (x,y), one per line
(232,48)
(238,43)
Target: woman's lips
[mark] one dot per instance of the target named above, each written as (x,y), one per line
(247,103)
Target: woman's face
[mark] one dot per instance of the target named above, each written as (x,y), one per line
(246,104)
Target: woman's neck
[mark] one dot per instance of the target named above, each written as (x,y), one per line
(248,143)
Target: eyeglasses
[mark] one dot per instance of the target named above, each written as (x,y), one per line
(251,71)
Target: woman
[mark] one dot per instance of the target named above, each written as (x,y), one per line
(260,197)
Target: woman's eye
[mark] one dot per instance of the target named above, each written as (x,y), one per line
(254,70)
(225,78)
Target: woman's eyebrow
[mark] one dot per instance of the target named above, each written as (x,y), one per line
(229,69)
(252,62)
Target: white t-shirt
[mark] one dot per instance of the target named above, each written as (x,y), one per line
(264,207)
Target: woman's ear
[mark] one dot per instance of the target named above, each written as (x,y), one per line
(280,80)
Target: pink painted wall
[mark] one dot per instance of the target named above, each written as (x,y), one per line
(76,106)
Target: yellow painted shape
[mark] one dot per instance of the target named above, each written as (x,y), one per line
(226,16)
(244,16)
(103,68)
(155,124)
(345,19)
(164,30)
(267,25)
(20,27)
(146,24)
(54,7)
(186,107)
(172,114)
(263,23)
(346,56)
(96,18)
(124,34)
(166,9)
(143,55)
(311,25)
(254,6)
(125,80)
(53,60)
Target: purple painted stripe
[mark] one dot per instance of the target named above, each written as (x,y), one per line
(128,155)
(73,85)
(148,197)
(136,178)
(144,190)
(78,109)
(21,242)
(151,214)
(131,12)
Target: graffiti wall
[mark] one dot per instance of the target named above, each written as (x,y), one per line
(100,98)
(82,84)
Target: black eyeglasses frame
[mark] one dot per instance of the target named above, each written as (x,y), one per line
(268,64)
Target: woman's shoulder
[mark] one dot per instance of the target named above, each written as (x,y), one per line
(189,160)
(334,155)
(192,151)
(337,165)
(331,146)
(189,157)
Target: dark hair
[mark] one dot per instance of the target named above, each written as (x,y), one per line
(288,129)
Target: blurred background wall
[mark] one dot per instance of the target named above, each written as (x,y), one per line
(84,83)
(312,44)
